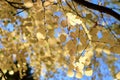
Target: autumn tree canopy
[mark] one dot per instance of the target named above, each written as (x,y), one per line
(50,34)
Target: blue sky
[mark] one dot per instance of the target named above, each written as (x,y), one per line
(61,75)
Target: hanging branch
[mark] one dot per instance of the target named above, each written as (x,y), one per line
(20,5)
(114,35)
(19,12)
(98,8)
(3,74)
(43,1)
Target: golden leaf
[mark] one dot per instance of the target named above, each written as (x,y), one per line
(40,36)
(89,72)
(70,45)
(118,75)
(73,34)
(3,78)
(11,72)
(4,71)
(115,49)
(72,19)
(78,75)
(72,52)
(47,3)
(79,66)
(52,42)
(107,50)
(70,73)
(51,33)
(0,74)
(64,23)
(49,27)
(62,37)
(28,4)
(89,16)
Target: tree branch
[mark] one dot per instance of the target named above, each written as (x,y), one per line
(3,74)
(98,8)
(16,7)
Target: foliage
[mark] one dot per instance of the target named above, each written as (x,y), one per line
(56,33)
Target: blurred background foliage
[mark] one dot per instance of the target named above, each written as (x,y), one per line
(58,39)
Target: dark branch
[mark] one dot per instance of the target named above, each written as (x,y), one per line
(3,74)
(16,7)
(98,8)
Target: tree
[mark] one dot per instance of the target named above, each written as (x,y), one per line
(58,33)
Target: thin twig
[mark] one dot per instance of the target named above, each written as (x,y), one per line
(110,30)
(43,1)
(19,12)
(73,10)
(84,50)
(98,8)
(12,4)
(3,74)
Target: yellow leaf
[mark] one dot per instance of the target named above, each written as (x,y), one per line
(11,72)
(118,75)
(73,34)
(99,50)
(89,16)
(52,41)
(28,4)
(64,23)
(4,71)
(62,37)
(18,65)
(78,75)
(70,45)
(72,19)
(3,78)
(79,66)
(89,72)
(106,50)
(72,52)
(40,36)
(70,73)
(49,27)
(47,3)
(115,49)
(0,74)
(51,33)
(82,59)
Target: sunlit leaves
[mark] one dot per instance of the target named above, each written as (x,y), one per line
(72,20)
(54,39)
(40,36)
(62,37)
(116,28)
(11,72)
(4,71)
(28,4)
(115,49)
(64,23)
(70,73)
(89,16)
(79,75)
(79,66)
(118,75)
(88,72)
(52,42)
